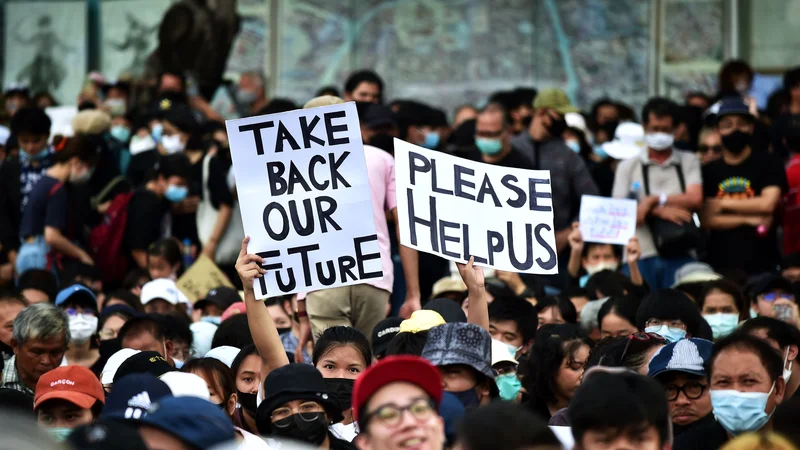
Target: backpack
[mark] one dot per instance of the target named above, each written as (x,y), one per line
(106,240)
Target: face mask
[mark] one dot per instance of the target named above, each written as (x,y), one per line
(742,87)
(431,140)
(26,157)
(737,141)
(141,144)
(156,131)
(599,151)
(558,127)
(342,390)
(175,193)
(669,333)
(509,386)
(120,133)
(659,141)
(513,350)
(248,402)
(722,324)
(489,146)
(753,313)
(59,434)
(116,106)
(606,265)
(739,412)
(314,432)
(172,144)
(468,398)
(787,373)
(246,97)
(216,320)
(81,178)
(178,363)
(574,145)
(82,327)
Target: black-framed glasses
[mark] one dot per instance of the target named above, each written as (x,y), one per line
(692,390)
(308,411)
(642,337)
(391,415)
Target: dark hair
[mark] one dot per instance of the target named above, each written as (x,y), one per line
(777,330)
(740,340)
(564,305)
(791,78)
(103,318)
(126,296)
(607,283)
(588,246)
(605,101)
(233,331)
(407,343)
(214,369)
(518,310)
(363,76)
(30,120)
(619,402)
(7,296)
(246,351)
(519,428)
(693,290)
(621,306)
(133,277)
(671,304)
(660,107)
(497,108)
(278,105)
(727,72)
(608,352)
(175,165)
(80,147)
(40,280)
(553,343)
(703,95)
(523,96)
(727,287)
(140,325)
(176,328)
(784,421)
(328,90)
(168,249)
(175,73)
(340,336)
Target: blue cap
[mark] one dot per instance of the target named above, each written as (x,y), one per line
(67,293)
(133,395)
(685,355)
(733,106)
(197,422)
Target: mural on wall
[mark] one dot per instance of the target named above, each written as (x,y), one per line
(45,47)
(130,33)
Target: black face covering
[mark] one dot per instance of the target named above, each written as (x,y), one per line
(301,429)
(342,390)
(384,142)
(558,126)
(737,141)
(526,122)
(248,402)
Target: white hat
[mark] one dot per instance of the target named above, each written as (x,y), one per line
(225,353)
(628,141)
(202,335)
(113,363)
(184,384)
(501,353)
(576,120)
(163,288)
(4,134)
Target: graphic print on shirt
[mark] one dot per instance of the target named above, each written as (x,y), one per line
(737,188)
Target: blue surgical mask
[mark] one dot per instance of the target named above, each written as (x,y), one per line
(722,324)
(431,140)
(120,133)
(509,386)
(26,157)
(59,434)
(513,350)
(489,146)
(157,131)
(600,151)
(216,320)
(178,363)
(175,193)
(468,398)
(574,145)
(739,412)
(671,334)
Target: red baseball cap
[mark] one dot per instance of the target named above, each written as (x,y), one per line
(236,308)
(410,369)
(74,384)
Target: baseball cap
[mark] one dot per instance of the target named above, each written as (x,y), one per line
(79,294)
(75,384)
(733,106)
(383,333)
(378,116)
(163,288)
(195,421)
(695,272)
(448,309)
(421,320)
(133,395)
(685,355)
(182,117)
(447,284)
(106,434)
(236,308)
(144,362)
(576,120)
(184,384)
(224,353)
(460,343)
(221,296)
(556,99)
(405,368)
(112,365)
(501,353)
(628,141)
(771,282)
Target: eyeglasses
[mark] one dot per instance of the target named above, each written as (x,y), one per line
(282,417)
(642,337)
(716,149)
(692,390)
(772,296)
(669,323)
(391,415)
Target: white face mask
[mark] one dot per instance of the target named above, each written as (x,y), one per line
(606,265)
(172,144)
(659,141)
(82,327)
(787,373)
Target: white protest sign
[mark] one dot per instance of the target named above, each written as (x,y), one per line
(61,120)
(607,220)
(305,199)
(456,208)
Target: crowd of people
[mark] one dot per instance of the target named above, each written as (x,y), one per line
(684,338)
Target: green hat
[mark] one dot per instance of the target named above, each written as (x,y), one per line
(556,99)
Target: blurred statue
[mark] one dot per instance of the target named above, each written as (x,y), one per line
(44,73)
(137,40)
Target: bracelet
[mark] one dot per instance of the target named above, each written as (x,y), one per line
(302,314)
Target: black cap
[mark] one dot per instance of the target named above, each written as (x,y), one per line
(105,434)
(770,282)
(378,116)
(449,310)
(383,333)
(144,362)
(182,117)
(221,296)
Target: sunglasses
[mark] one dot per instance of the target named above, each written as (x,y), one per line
(642,337)
(717,149)
(772,296)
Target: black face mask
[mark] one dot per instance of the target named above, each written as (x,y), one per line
(109,347)
(558,126)
(342,390)
(313,431)
(248,402)
(737,141)
(384,142)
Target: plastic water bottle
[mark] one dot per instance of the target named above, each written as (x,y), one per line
(633,194)
(187,254)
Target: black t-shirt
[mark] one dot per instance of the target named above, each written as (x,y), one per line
(146,212)
(184,226)
(741,247)
(513,159)
(709,437)
(140,164)
(218,182)
(47,207)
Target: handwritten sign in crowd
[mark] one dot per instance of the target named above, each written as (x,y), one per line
(607,220)
(201,277)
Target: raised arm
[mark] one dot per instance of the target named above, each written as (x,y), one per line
(478,312)
(410,260)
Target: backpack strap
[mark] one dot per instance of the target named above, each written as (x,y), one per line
(646,177)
